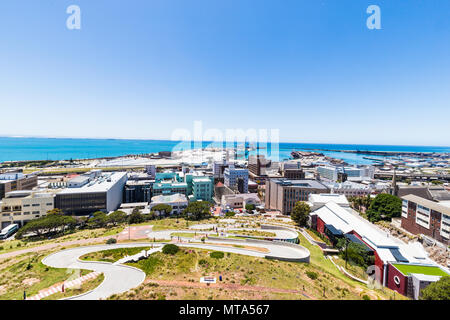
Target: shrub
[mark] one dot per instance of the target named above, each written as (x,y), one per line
(312,275)
(366,297)
(170,249)
(216,255)
(111,241)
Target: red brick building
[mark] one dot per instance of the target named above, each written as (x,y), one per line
(422,216)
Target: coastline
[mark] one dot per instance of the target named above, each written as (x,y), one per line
(58,149)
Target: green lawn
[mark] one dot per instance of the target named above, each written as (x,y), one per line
(183,234)
(428,270)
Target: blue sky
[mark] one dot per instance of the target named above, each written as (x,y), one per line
(310,68)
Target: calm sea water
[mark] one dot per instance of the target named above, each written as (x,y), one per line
(13,149)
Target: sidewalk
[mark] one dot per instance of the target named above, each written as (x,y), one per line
(67,284)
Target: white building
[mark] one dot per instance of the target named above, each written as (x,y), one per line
(234,201)
(353,173)
(349,188)
(177,201)
(104,192)
(22,206)
(316,201)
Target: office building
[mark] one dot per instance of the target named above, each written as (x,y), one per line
(23,206)
(218,168)
(104,192)
(257,164)
(236,179)
(202,188)
(138,191)
(283,194)
(12,181)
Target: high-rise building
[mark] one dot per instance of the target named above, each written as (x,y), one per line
(236,179)
(258,162)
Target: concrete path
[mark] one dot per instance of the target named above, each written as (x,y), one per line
(120,278)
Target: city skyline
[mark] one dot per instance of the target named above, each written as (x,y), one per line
(312,70)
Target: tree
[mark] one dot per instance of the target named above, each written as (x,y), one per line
(249,207)
(384,206)
(135,217)
(117,217)
(439,290)
(99,219)
(198,210)
(55,222)
(300,213)
(162,209)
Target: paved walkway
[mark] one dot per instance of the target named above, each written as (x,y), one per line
(67,284)
(120,278)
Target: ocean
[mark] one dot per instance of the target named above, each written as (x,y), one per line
(17,149)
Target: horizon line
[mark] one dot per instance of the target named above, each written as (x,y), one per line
(155,139)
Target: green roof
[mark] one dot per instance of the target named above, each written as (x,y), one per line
(407,269)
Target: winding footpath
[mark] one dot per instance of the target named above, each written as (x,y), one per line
(119,278)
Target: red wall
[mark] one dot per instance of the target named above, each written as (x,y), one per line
(320,226)
(402,287)
(378,262)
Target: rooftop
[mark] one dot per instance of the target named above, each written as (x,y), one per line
(100,184)
(177,197)
(428,203)
(388,248)
(408,269)
(313,184)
